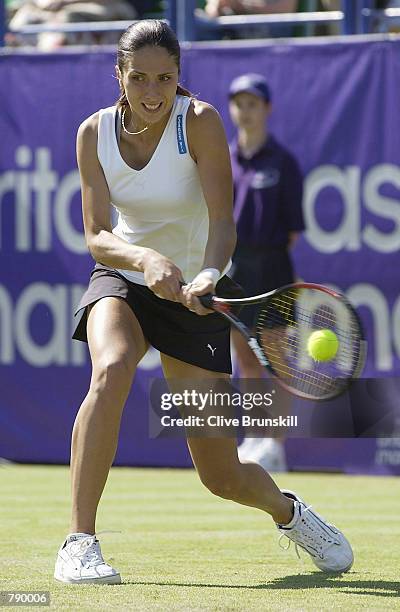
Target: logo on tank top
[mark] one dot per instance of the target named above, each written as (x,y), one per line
(180,135)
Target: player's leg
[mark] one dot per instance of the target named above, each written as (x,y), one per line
(116,344)
(217,462)
(220,470)
(249,366)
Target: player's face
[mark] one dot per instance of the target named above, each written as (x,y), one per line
(249,112)
(149,79)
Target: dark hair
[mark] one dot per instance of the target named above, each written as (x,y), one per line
(152,33)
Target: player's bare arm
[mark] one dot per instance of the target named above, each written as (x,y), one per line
(161,275)
(209,149)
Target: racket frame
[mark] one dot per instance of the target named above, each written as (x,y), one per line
(223,307)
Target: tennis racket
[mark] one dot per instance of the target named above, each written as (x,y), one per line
(286,319)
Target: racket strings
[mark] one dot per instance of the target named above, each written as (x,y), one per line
(307,321)
(346,344)
(274,356)
(347,340)
(318,378)
(284,325)
(306,380)
(304,315)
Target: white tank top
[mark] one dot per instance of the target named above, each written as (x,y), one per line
(162,206)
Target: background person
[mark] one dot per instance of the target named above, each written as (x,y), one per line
(268,190)
(220,8)
(58,12)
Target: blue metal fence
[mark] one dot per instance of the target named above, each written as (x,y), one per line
(355,17)
(2,21)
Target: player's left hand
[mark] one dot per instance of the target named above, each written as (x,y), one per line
(202,284)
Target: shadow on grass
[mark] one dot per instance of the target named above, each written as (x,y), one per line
(381,588)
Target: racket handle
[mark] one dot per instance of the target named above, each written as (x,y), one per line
(206,300)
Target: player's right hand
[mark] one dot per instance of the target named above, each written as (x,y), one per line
(162,276)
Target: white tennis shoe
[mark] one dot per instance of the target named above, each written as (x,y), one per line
(325,543)
(79,561)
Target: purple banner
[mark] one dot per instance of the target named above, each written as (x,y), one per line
(335,106)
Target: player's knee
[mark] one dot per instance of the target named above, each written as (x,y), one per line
(113,371)
(222,485)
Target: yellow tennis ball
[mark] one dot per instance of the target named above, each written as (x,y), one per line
(322,345)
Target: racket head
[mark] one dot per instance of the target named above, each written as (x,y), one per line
(288,317)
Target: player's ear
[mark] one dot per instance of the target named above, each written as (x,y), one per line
(118,74)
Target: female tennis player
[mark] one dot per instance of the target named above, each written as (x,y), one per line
(160,157)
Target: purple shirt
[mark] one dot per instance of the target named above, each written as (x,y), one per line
(268,190)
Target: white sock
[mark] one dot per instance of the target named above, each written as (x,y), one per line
(76,536)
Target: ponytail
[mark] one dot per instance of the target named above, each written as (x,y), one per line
(182,91)
(122,101)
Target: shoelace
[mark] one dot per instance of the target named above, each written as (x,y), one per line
(296,547)
(307,538)
(88,549)
(91,556)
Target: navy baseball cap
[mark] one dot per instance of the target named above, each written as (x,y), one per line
(250,83)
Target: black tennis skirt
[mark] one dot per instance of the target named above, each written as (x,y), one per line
(171,328)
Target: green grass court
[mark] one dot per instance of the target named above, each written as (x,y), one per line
(180,548)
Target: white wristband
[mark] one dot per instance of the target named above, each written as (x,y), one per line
(212,273)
